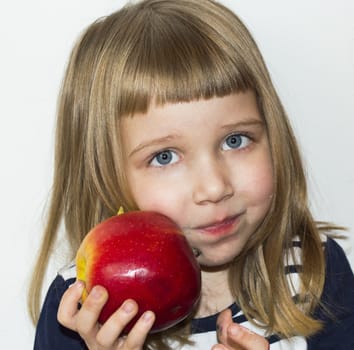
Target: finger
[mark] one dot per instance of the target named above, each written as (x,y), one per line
(223,322)
(108,334)
(246,339)
(68,310)
(137,336)
(87,317)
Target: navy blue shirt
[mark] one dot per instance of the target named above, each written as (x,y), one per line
(338,296)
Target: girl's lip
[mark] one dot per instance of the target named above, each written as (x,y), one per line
(220,227)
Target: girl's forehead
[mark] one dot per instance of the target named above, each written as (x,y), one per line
(171,120)
(232,103)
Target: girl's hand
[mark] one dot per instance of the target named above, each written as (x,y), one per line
(106,336)
(232,336)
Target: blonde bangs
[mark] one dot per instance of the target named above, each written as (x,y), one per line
(170,59)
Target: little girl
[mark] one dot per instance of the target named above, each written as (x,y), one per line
(168,106)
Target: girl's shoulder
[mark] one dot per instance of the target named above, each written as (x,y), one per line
(339,282)
(49,333)
(336,310)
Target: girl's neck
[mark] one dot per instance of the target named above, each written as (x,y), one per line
(216,294)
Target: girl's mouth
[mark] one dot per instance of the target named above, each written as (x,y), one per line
(222,227)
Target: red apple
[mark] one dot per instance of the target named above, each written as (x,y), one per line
(143,256)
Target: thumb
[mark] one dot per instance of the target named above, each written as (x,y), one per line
(246,339)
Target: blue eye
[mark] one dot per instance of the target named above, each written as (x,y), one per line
(164,158)
(235,141)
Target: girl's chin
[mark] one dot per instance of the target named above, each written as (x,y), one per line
(214,264)
(217,258)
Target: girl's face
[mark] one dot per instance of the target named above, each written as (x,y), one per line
(205,164)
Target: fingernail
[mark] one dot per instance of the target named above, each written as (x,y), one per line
(147,316)
(234,329)
(128,307)
(77,284)
(96,292)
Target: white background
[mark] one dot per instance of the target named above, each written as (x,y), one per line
(308,46)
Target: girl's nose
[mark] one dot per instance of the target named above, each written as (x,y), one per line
(212,183)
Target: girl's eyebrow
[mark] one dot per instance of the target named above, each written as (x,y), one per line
(249,122)
(168,138)
(153,142)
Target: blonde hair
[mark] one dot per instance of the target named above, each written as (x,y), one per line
(170,51)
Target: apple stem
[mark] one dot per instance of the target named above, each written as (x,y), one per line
(120,211)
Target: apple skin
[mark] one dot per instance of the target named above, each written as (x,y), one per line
(143,256)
